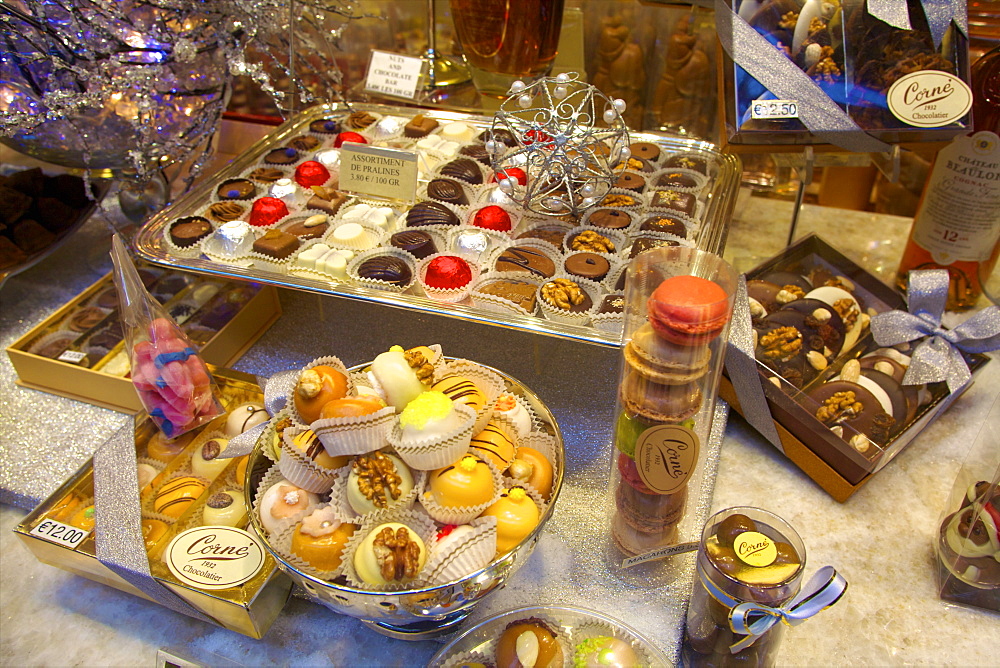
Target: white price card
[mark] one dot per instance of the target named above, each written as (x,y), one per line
(772,109)
(393,74)
(72,356)
(57,532)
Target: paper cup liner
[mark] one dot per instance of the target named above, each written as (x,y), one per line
(415,521)
(53,338)
(299,469)
(619,198)
(375,284)
(556,314)
(533,421)
(355,435)
(282,544)
(595,629)
(339,497)
(269,264)
(498,304)
(612,323)
(445,295)
(654,178)
(460,514)
(464,556)
(429,453)
(272,477)
(545,444)
(488,381)
(467,658)
(327,360)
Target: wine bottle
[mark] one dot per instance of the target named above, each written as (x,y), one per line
(957,226)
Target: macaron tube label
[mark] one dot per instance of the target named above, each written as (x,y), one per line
(214,557)
(666,456)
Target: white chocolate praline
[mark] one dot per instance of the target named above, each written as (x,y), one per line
(282,501)
(605,651)
(307,259)
(379,216)
(226,508)
(366,562)
(361,504)
(352,235)
(516,414)
(207,462)
(397,379)
(431,415)
(457,132)
(245,417)
(145,473)
(447,148)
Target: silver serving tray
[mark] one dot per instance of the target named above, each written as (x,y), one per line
(574,626)
(427,611)
(718,206)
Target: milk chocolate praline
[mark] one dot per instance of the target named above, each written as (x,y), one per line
(188,231)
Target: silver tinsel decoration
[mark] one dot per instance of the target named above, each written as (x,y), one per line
(139,84)
(570,138)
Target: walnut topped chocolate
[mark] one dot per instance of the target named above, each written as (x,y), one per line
(397,554)
(378,479)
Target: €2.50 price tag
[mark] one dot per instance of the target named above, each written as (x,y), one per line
(773,109)
(57,532)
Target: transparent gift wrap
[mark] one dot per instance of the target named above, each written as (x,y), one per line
(404,491)
(808,71)
(968,537)
(748,587)
(807,371)
(678,304)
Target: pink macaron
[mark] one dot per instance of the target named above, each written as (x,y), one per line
(688,310)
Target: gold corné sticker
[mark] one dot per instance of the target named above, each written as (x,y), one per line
(666,456)
(755,549)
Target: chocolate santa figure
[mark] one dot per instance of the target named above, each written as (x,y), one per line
(620,70)
(683,94)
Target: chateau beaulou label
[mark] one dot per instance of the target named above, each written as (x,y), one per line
(959,218)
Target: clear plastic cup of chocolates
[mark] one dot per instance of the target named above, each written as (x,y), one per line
(746,555)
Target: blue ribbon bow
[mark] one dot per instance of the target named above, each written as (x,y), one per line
(753,620)
(939,356)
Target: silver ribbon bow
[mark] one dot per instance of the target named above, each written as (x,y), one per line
(939,356)
(276,390)
(939,13)
(742,367)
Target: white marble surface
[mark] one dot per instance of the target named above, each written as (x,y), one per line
(881,540)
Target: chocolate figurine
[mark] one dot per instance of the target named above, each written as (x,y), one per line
(684,99)
(620,70)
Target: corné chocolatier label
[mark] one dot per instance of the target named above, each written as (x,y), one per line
(214,557)
(666,456)
(755,549)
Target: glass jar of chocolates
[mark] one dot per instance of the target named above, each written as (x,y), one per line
(747,555)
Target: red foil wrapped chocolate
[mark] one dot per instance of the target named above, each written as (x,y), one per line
(492,217)
(515,173)
(447,272)
(345,137)
(311,173)
(267,211)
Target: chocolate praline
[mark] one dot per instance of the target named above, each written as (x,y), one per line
(645,150)
(303,143)
(676,180)
(610,219)
(587,265)
(526,259)
(325,126)
(672,199)
(612,304)
(447,190)
(464,169)
(665,224)
(386,268)
(687,162)
(236,189)
(188,231)
(646,243)
(476,152)
(415,242)
(282,156)
(430,213)
(630,181)
(505,137)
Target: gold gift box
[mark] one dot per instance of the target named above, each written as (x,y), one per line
(249,608)
(116,392)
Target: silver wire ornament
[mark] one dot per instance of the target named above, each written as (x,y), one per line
(568,155)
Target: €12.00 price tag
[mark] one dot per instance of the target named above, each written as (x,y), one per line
(773,109)
(57,532)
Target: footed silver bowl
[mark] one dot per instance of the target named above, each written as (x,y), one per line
(418,614)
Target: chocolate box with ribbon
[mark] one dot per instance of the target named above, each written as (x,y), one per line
(859,74)
(177,536)
(827,364)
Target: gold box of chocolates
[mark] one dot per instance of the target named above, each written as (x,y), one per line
(810,309)
(78,351)
(183,484)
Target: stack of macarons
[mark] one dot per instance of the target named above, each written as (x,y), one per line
(665,362)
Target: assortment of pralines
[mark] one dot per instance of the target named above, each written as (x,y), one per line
(413,472)
(285,215)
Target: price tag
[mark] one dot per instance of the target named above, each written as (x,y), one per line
(72,356)
(393,74)
(772,109)
(57,532)
(386,173)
